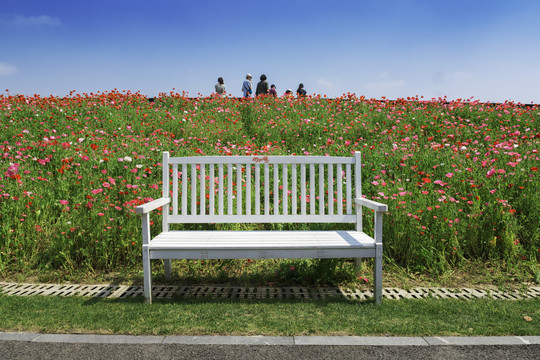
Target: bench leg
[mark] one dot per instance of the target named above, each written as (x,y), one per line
(358,262)
(147,271)
(377,274)
(168,268)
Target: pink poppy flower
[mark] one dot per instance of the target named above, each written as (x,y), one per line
(12,170)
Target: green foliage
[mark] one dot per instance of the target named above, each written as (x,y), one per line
(460,178)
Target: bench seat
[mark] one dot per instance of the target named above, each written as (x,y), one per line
(260,244)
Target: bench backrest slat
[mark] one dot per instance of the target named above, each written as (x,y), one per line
(339,184)
(322,193)
(229,189)
(303,197)
(175,188)
(261,188)
(220,191)
(257,190)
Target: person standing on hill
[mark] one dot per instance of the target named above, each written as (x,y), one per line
(262,86)
(246,86)
(301,91)
(273,90)
(220,87)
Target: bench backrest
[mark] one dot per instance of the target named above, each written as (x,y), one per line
(261,189)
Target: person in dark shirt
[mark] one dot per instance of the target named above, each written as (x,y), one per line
(301,91)
(262,86)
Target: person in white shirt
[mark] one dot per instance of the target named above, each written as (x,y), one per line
(220,87)
(246,86)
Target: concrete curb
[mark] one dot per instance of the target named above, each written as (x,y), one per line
(273,340)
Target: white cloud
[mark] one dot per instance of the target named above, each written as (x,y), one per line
(326,83)
(456,76)
(329,87)
(7,69)
(21,20)
(385,85)
(459,76)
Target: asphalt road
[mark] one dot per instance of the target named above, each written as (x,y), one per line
(33,350)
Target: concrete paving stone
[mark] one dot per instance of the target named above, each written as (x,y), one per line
(417,293)
(354,294)
(99,339)
(4,287)
(262,292)
(533,340)
(19,289)
(242,293)
(435,340)
(229,340)
(91,290)
(68,290)
(393,291)
(119,291)
(474,340)
(212,292)
(16,336)
(359,340)
(159,292)
(134,291)
(323,293)
(50,290)
(443,294)
(480,294)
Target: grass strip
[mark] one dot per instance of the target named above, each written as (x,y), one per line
(420,317)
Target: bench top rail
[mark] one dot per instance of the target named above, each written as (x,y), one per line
(259,159)
(261,189)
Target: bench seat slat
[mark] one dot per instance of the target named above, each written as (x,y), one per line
(263,253)
(260,240)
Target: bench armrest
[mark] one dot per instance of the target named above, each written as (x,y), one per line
(377,206)
(152,205)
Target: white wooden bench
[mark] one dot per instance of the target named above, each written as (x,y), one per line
(261,189)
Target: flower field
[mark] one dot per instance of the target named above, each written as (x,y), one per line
(460,177)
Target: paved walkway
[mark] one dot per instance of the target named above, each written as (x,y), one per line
(273,340)
(259,292)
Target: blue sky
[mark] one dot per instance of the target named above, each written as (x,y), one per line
(488,50)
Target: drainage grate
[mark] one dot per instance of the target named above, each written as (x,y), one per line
(134,291)
(58,290)
(262,292)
